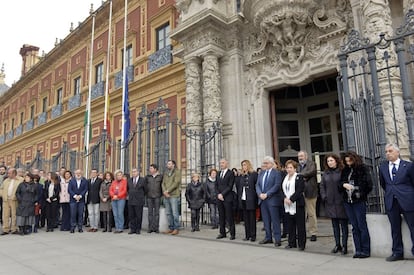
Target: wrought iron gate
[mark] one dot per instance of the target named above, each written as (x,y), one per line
(370,72)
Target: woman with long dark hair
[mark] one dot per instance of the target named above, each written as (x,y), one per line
(52,190)
(355,185)
(334,203)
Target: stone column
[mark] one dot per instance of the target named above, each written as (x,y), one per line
(211,91)
(194,111)
(376,20)
(212,110)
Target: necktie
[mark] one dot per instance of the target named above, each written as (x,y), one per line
(264,179)
(135,182)
(394,171)
(222,174)
(93,181)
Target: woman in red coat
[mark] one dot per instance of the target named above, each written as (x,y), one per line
(118,193)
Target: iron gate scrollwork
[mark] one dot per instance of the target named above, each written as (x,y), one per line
(368,88)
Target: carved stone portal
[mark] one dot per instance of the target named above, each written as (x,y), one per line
(294,31)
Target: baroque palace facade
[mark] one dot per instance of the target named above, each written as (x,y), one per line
(44,111)
(264,70)
(267,69)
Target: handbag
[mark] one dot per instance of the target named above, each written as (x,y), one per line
(37,209)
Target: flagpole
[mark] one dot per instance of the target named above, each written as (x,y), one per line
(108,55)
(88,105)
(122,166)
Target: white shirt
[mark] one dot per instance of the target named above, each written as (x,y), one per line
(223,173)
(10,190)
(391,165)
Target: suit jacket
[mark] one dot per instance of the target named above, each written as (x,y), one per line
(249,183)
(136,194)
(402,187)
(5,188)
(308,171)
(93,191)
(56,192)
(74,190)
(225,185)
(273,187)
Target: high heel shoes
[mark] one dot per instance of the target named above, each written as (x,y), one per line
(336,249)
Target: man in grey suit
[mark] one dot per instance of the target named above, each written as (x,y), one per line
(307,168)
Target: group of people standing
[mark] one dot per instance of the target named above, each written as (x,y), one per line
(288,195)
(70,200)
(285,195)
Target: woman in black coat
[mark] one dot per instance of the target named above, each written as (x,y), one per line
(293,187)
(52,190)
(195,195)
(26,195)
(247,198)
(355,185)
(211,197)
(334,203)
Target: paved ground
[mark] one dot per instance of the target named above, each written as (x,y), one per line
(188,253)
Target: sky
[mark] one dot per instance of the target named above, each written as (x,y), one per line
(37,23)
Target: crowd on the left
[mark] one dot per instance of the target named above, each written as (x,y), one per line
(67,201)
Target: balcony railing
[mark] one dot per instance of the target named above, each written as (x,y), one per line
(18,131)
(9,135)
(119,76)
(74,102)
(41,119)
(160,58)
(2,139)
(98,90)
(57,111)
(29,125)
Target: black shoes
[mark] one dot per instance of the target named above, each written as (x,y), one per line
(4,233)
(344,250)
(265,241)
(252,239)
(72,231)
(290,246)
(232,237)
(336,249)
(313,238)
(220,236)
(360,256)
(278,243)
(80,230)
(131,232)
(394,258)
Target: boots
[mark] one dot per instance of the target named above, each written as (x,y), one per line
(105,222)
(193,227)
(344,250)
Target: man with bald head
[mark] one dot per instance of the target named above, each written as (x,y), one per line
(8,193)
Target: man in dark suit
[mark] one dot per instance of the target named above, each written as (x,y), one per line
(94,185)
(77,188)
(136,197)
(224,189)
(397,180)
(269,191)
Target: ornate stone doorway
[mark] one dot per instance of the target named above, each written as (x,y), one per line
(306,118)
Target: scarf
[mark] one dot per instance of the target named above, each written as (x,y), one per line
(288,187)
